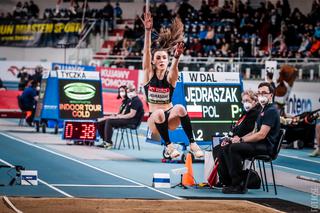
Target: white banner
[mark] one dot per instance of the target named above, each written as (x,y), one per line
(9,70)
(304,96)
(87,75)
(211,77)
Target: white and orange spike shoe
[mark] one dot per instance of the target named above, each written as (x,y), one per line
(195,149)
(172,151)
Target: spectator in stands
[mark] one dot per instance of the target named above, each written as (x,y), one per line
(34,9)
(185,10)
(128,33)
(293,35)
(316,152)
(138,27)
(2,87)
(159,83)
(261,141)
(162,11)
(243,126)
(122,94)
(133,112)
(118,11)
(205,11)
(18,11)
(195,47)
(28,100)
(107,14)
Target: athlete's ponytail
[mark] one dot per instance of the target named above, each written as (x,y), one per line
(169,37)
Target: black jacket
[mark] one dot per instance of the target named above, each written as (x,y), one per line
(247,124)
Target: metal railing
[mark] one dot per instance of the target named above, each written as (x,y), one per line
(251,68)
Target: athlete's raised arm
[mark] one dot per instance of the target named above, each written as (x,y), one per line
(146,61)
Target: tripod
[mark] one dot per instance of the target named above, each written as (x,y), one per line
(180,184)
(15,177)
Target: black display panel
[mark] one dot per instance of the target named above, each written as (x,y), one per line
(80,99)
(212,108)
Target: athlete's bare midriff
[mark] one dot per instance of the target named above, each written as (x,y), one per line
(154,107)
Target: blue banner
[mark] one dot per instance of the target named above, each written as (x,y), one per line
(75,67)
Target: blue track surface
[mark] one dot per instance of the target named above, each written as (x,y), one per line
(55,169)
(64,175)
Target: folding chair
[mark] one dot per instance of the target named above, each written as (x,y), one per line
(128,129)
(268,159)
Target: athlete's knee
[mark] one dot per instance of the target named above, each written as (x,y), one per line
(181,111)
(158,116)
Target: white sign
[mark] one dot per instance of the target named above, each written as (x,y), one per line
(271,67)
(211,77)
(9,70)
(219,67)
(304,96)
(161,180)
(29,177)
(67,74)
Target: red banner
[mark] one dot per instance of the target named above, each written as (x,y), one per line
(112,78)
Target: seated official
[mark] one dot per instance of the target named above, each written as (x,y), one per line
(243,126)
(259,142)
(122,94)
(28,100)
(133,113)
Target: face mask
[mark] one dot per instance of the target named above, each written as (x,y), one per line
(247,106)
(122,94)
(131,95)
(38,88)
(263,100)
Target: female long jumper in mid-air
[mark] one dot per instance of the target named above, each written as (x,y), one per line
(160,82)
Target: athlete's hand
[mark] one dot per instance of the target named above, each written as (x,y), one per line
(148,21)
(179,49)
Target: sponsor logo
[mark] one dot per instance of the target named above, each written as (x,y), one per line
(298,105)
(79,91)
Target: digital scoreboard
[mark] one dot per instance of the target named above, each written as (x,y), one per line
(212,109)
(80,130)
(80,95)
(213,102)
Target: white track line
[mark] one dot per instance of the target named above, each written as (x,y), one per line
(97,186)
(88,165)
(41,181)
(297,170)
(299,158)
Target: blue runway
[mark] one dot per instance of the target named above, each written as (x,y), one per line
(68,175)
(127,173)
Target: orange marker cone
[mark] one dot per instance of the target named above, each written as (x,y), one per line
(188,179)
(28,114)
